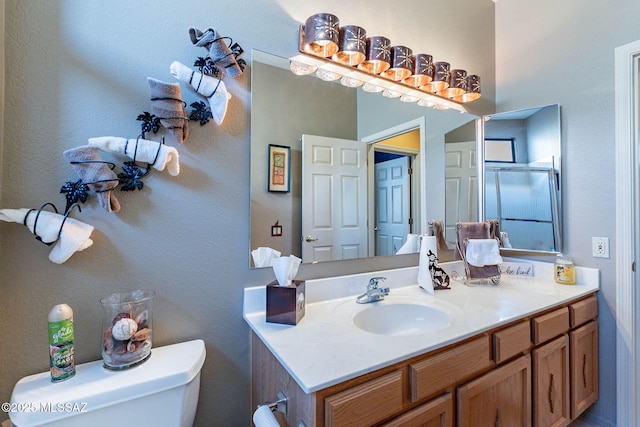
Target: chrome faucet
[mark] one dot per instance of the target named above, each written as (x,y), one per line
(374,293)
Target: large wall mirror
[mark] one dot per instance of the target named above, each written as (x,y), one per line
(321,151)
(376,164)
(522,176)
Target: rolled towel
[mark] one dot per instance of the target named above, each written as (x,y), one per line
(166,103)
(74,236)
(211,88)
(219,52)
(96,174)
(158,155)
(437,229)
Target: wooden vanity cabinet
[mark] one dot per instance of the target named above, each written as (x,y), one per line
(540,370)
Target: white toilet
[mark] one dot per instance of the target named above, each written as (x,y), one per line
(163,391)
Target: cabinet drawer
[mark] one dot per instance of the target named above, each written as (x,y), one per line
(436,373)
(583,311)
(550,325)
(365,404)
(511,341)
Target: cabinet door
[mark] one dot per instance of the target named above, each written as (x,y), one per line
(437,412)
(500,398)
(584,367)
(551,384)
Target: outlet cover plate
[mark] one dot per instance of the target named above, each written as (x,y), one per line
(600,247)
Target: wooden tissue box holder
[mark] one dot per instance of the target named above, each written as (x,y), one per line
(285,304)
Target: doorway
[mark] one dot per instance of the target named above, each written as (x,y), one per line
(393,200)
(627,117)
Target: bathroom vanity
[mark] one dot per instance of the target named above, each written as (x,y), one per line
(524,352)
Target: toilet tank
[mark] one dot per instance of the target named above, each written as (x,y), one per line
(162,391)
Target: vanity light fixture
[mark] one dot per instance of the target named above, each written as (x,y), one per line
(351,46)
(473,89)
(441,77)
(346,53)
(457,84)
(378,55)
(422,72)
(321,35)
(327,76)
(401,64)
(350,82)
(372,88)
(301,69)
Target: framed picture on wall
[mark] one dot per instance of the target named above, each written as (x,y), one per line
(279,178)
(500,150)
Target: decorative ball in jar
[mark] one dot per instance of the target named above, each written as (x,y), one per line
(127,328)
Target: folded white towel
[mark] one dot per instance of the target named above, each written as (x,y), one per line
(75,235)
(143,150)
(263,256)
(481,252)
(211,88)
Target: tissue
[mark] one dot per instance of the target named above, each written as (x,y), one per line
(263,256)
(285,269)
(286,296)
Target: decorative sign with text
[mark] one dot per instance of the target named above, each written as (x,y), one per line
(517,269)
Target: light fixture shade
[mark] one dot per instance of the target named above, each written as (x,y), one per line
(457,84)
(352,46)
(327,76)
(401,64)
(321,35)
(422,72)
(440,77)
(473,89)
(371,88)
(378,55)
(301,69)
(350,82)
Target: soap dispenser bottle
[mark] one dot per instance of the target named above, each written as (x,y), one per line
(564,271)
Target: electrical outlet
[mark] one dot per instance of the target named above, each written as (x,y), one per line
(600,247)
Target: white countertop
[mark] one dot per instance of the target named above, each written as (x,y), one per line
(326,348)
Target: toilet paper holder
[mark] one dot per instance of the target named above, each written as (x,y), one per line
(280,404)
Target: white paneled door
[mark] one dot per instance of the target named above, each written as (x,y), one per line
(334,199)
(461,186)
(392,205)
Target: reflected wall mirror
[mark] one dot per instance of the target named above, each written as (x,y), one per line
(522,176)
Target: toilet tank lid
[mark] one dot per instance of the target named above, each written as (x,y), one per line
(93,387)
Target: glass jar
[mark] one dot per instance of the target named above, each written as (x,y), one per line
(564,271)
(126,328)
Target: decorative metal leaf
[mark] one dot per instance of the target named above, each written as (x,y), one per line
(74,192)
(201,111)
(207,66)
(131,177)
(149,123)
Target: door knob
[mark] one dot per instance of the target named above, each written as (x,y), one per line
(310,239)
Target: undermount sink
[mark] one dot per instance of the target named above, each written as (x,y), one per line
(401,319)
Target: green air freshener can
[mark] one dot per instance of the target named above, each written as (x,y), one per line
(61,349)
